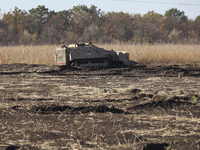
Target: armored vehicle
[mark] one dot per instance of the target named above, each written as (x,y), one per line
(88,55)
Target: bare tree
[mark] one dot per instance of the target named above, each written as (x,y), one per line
(174,36)
(91,33)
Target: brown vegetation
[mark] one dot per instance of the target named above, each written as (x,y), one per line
(143,54)
(28,54)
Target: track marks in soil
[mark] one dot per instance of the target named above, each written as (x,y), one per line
(71,110)
(27,99)
(176,102)
(162,146)
(12,147)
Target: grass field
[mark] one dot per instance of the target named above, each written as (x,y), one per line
(28,54)
(160,54)
(143,54)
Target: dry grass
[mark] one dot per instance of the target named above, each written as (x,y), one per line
(159,54)
(143,54)
(28,54)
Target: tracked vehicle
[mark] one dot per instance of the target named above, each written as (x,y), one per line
(88,55)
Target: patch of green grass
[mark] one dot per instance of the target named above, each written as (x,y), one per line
(169,147)
(179,76)
(103,77)
(194,100)
(186,139)
(104,91)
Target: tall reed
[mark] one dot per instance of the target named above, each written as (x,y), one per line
(28,54)
(143,54)
(160,54)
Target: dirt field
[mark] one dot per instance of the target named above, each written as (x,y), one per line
(139,108)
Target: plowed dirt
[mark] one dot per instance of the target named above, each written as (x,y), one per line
(139,108)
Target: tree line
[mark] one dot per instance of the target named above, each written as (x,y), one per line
(81,23)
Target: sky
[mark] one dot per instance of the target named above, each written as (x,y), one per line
(190,7)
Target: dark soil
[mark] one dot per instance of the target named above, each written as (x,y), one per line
(140,108)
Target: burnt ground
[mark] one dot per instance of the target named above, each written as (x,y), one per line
(139,108)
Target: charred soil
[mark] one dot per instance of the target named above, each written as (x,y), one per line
(140,108)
